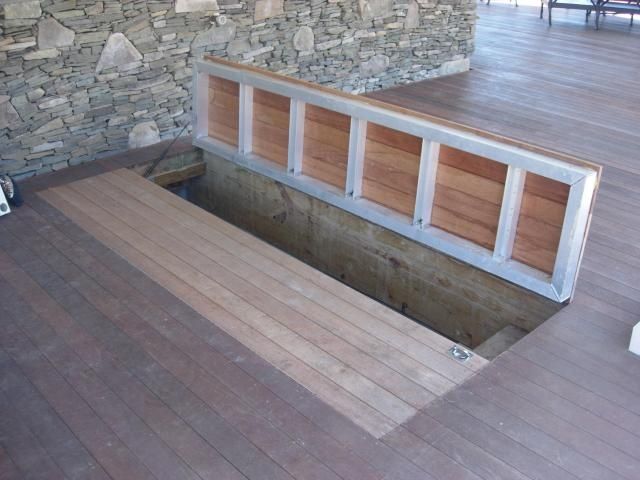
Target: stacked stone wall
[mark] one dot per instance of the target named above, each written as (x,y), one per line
(83,79)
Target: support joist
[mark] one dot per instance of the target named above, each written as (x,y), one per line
(355,163)
(509,213)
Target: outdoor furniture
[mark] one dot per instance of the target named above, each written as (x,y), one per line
(587,5)
(616,7)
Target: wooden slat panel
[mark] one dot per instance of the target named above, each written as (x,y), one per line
(223,110)
(468,196)
(391,165)
(540,223)
(326,145)
(271,126)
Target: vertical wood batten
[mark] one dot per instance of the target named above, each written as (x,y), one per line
(296,136)
(509,213)
(201,102)
(355,162)
(426,183)
(573,236)
(245,116)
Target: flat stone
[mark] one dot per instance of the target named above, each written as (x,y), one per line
(43,147)
(8,115)
(36,94)
(454,66)
(143,134)
(95,9)
(54,124)
(239,46)
(52,34)
(185,6)
(267,9)
(216,34)
(118,51)
(375,65)
(412,19)
(52,102)
(22,9)
(16,46)
(304,39)
(370,9)
(40,54)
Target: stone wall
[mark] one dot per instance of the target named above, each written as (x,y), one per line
(82,79)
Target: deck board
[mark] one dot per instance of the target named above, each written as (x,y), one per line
(321,349)
(572,382)
(104,345)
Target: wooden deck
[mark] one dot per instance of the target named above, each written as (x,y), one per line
(144,338)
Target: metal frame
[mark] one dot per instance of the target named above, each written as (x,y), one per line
(583,180)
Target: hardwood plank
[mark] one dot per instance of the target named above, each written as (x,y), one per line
(271,126)
(250,306)
(32,410)
(270,440)
(25,457)
(241,454)
(367,364)
(156,456)
(391,164)
(190,332)
(361,413)
(224,104)
(300,277)
(404,339)
(325,145)
(458,447)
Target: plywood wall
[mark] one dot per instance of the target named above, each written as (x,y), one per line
(391,165)
(540,222)
(271,126)
(468,195)
(223,110)
(326,145)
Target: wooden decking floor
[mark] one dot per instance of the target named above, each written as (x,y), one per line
(145,338)
(112,364)
(562,403)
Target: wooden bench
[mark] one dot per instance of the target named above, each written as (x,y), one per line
(616,7)
(587,5)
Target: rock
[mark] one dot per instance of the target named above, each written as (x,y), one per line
(304,39)
(370,9)
(52,102)
(46,146)
(54,124)
(118,51)
(237,47)
(36,94)
(329,44)
(454,66)
(8,115)
(216,34)
(184,6)
(143,134)
(52,34)
(95,9)
(22,9)
(41,54)
(267,9)
(16,46)
(412,19)
(375,65)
